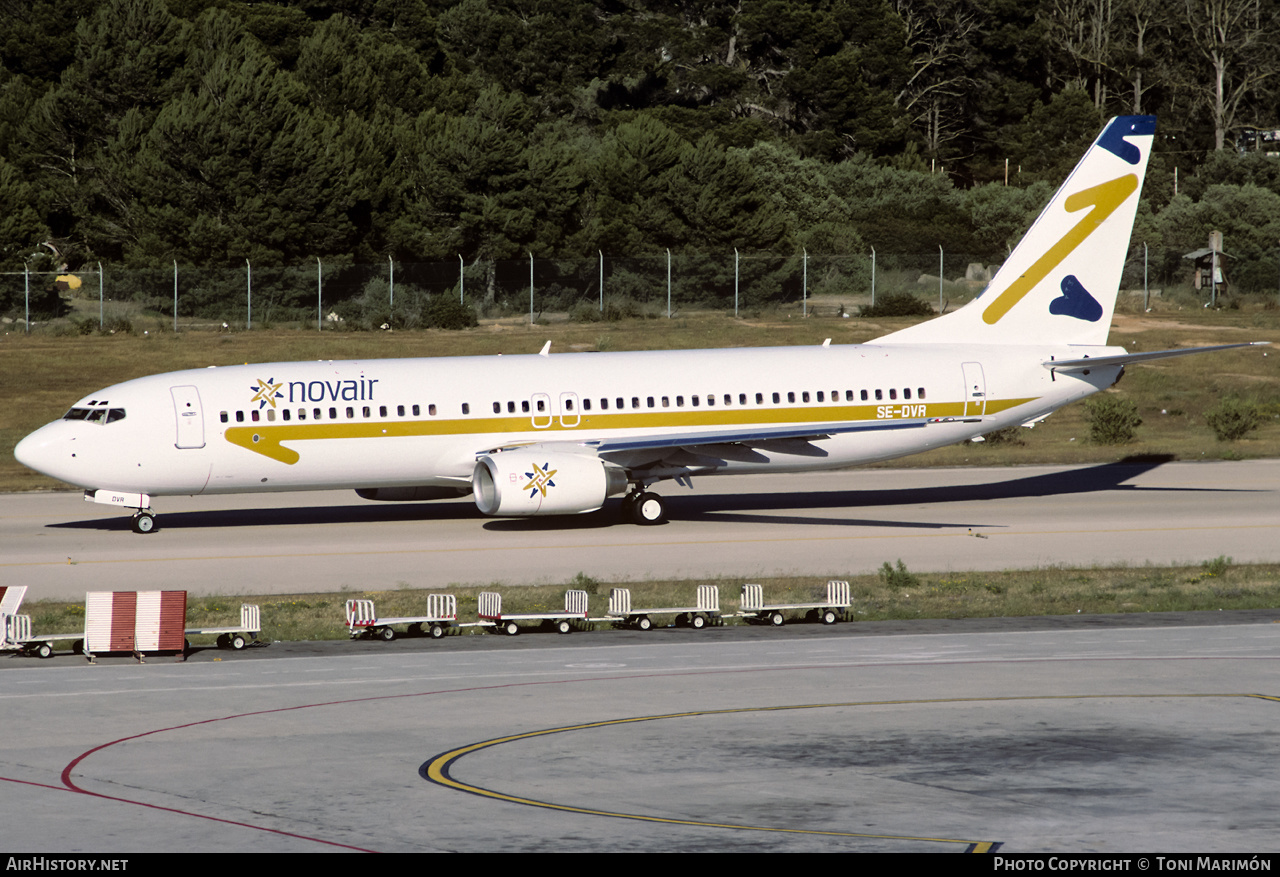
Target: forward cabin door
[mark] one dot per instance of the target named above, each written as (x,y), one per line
(975,389)
(190,417)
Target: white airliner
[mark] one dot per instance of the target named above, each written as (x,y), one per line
(552,434)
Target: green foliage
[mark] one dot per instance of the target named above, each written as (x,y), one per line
(1113,420)
(896,304)
(1232,419)
(898,578)
(446,312)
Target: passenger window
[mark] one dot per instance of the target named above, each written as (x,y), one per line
(804,397)
(284,414)
(511,408)
(776,398)
(317,414)
(820,399)
(253,415)
(366,411)
(848,395)
(400,411)
(879,395)
(302,414)
(223,417)
(864,395)
(604,404)
(524,406)
(759,398)
(679,401)
(666,401)
(351,413)
(620,403)
(635,402)
(791,397)
(586,404)
(466,407)
(417,411)
(382,410)
(239,417)
(333,413)
(497,407)
(906,393)
(650,401)
(919,392)
(431,409)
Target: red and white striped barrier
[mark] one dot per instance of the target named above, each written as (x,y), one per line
(135,621)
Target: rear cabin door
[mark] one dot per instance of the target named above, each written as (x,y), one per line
(975,389)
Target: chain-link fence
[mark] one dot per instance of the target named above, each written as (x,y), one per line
(410,295)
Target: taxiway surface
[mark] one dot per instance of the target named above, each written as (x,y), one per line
(1097,737)
(831,524)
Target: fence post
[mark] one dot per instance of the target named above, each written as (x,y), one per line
(319,296)
(26,293)
(873,277)
(248,273)
(804,306)
(668,283)
(601,252)
(391,306)
(175,295)
(100,298)
(735,282)
(531,288)
(462,279)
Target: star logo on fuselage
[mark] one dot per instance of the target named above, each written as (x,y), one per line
(266,393)
(540,479)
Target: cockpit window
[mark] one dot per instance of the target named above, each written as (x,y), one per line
(95,415)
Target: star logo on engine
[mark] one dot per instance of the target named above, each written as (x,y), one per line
(540,479)
(266,393)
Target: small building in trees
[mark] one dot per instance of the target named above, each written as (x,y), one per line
(1210,266)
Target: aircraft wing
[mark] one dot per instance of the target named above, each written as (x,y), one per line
(1127,358)
(751,436)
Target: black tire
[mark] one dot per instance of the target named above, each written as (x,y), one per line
(829,616)
(437,631)
(777,619)
(511,628)
(44,650)
(697,622)
(223,641)
(144,522)
(644,622)
(386,634)
(563,626)
(237,642)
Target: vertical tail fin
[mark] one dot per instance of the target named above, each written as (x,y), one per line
(1060,283)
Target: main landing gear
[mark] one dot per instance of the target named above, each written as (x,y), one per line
(642,507)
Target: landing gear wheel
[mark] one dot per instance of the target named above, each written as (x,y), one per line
(648,509)
(644,622)
(563,626)
(697,622)
(144,522)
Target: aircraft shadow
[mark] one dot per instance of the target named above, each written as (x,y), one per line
(740,507)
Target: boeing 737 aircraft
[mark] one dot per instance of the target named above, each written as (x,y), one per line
(553,434)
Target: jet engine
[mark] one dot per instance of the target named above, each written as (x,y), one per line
(524,483)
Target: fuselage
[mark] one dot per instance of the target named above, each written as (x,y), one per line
(423,422)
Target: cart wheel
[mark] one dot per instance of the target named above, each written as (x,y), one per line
(697,622)
(644,622)
(437,631)
(563,626)
(829,616)
(776,619)
(44,650)
(511,628)
(77,647)
(223,641)
(237,641)
(387,634)
(415,629)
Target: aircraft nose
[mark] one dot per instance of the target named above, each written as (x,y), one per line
(41,450)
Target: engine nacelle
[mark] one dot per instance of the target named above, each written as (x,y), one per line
(410,494)
(523,483)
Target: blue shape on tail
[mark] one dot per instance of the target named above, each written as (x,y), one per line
(1112,139)
(1076,302)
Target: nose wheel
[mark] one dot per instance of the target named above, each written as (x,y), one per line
(144,522)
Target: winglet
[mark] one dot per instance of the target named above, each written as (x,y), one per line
(546,349)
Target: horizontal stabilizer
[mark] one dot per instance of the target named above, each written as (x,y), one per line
(1127,358)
